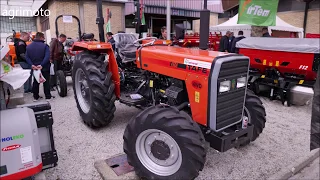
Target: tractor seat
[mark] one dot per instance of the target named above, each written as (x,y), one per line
(87,37)
(125,46)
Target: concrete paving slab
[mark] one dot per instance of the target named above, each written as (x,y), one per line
(296,167)
(108,172)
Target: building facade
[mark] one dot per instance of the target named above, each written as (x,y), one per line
(86,11)
(182,12)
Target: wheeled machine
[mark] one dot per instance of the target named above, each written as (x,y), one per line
(187,97)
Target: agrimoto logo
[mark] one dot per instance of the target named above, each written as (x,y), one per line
(24,12)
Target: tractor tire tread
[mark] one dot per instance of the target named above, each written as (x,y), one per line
(186,133)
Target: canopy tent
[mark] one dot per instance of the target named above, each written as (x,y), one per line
(232,25)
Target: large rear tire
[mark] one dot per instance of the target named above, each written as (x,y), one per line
(256,114)
(163,143)
(93,89)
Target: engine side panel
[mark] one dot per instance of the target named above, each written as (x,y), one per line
(188,66)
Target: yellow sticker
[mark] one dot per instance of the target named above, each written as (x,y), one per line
(275,81)
(264,62)
(301,81)
(270,63)
(197,97)
(277,63)
(263,76)
(151,83)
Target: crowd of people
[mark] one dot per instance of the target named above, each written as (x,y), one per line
(40,56)
(228,41)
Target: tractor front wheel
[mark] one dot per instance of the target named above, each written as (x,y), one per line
(93,89)
(256,114)
(163,143)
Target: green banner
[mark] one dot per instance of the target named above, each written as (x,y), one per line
(258,12)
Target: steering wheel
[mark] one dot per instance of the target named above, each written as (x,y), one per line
(146,38)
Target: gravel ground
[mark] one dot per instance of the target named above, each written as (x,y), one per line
(284,139)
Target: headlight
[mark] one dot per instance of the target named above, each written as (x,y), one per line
(225,86)
(241,82)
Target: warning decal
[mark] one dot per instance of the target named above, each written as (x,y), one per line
(26,154)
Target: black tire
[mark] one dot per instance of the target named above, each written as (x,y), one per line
(180,127)
(257,114)
(101,89)
(62,83)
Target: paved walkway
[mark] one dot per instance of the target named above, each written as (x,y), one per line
(310,172)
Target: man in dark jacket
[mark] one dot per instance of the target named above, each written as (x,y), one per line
(234,49)
(224,42)
(111,40)
(56,57)
(315,118)
(265,32)
(38,55)
(20,48)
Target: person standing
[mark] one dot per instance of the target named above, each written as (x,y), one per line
(20,48)
(111,40)
(163,33)
(56,57)
(265,32)
(38,55)
(224,42)
(234,49)
(231,38)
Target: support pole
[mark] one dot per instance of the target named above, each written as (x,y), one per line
(204,27)
(100,20)
(168,20)
(305,18)
(138,24)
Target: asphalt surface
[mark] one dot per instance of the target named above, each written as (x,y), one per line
(284,139)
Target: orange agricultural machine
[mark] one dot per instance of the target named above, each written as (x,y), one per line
(11,40)
(186,96)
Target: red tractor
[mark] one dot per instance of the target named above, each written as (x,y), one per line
(186,96)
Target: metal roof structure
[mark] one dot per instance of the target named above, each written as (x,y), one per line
(178,7)
(26,8)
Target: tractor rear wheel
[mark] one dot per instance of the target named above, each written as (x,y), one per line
(163,143)
(93,89)
(256,114)
(61,83)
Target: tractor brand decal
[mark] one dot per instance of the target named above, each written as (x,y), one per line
(178,65)
(12,147)
(197,69)
(12,138)
(197,63)
(196,84)
(197,96)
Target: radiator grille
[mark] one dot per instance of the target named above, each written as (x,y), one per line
(230,104)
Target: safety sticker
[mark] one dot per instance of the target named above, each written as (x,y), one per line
(197,97)
(26,154)
(197,63)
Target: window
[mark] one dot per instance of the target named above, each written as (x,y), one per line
(27,24)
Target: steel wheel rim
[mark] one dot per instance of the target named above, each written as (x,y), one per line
(82,91)
(144,144)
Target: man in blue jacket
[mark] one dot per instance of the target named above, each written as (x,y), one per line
(38,55)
